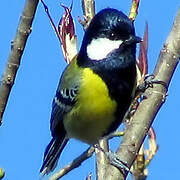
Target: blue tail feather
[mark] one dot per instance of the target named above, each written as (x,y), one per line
(52,153)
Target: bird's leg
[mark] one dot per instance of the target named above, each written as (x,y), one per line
(148,82)
(115,160)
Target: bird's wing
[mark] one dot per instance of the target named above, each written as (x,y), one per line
(65,97)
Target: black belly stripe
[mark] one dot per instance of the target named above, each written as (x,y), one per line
(120,85)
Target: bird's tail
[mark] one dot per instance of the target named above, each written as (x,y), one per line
(52,153)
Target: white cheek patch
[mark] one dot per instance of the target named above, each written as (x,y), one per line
(99,48)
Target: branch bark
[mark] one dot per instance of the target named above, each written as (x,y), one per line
(88,7)
(17,49)
(102,162)
(148,108)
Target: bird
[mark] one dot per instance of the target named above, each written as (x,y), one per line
(97,87)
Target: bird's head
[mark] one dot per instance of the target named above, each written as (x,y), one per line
(108,30)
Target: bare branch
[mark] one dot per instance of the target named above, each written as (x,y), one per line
(17,49)
(88,7)
(102,161)
(134,9)
(148,108)
(74,164)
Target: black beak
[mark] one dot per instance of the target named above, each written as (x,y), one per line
(133,40)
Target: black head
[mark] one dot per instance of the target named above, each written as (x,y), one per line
(111,24)
(109,29)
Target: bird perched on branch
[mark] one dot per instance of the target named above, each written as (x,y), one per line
(97,87)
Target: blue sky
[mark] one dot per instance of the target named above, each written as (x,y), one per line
(25,130)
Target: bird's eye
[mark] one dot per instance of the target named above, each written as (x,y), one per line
(112,36)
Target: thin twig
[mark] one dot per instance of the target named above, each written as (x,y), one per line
(149,107)
(17,49)
(88,7)
(134,9)
(51,20)
(74,164)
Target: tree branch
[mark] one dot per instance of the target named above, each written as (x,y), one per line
(88,7)
(17,49)
(149,107)
(102,162)
(74,164)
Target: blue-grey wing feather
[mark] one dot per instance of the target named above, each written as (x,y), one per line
(66,96)
(62,103)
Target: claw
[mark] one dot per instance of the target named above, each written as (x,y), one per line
(148,82)
(115,160)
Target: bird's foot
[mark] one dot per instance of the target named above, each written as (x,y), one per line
(148,82)
(115,160)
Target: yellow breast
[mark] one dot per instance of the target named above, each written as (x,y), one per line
(94,111)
